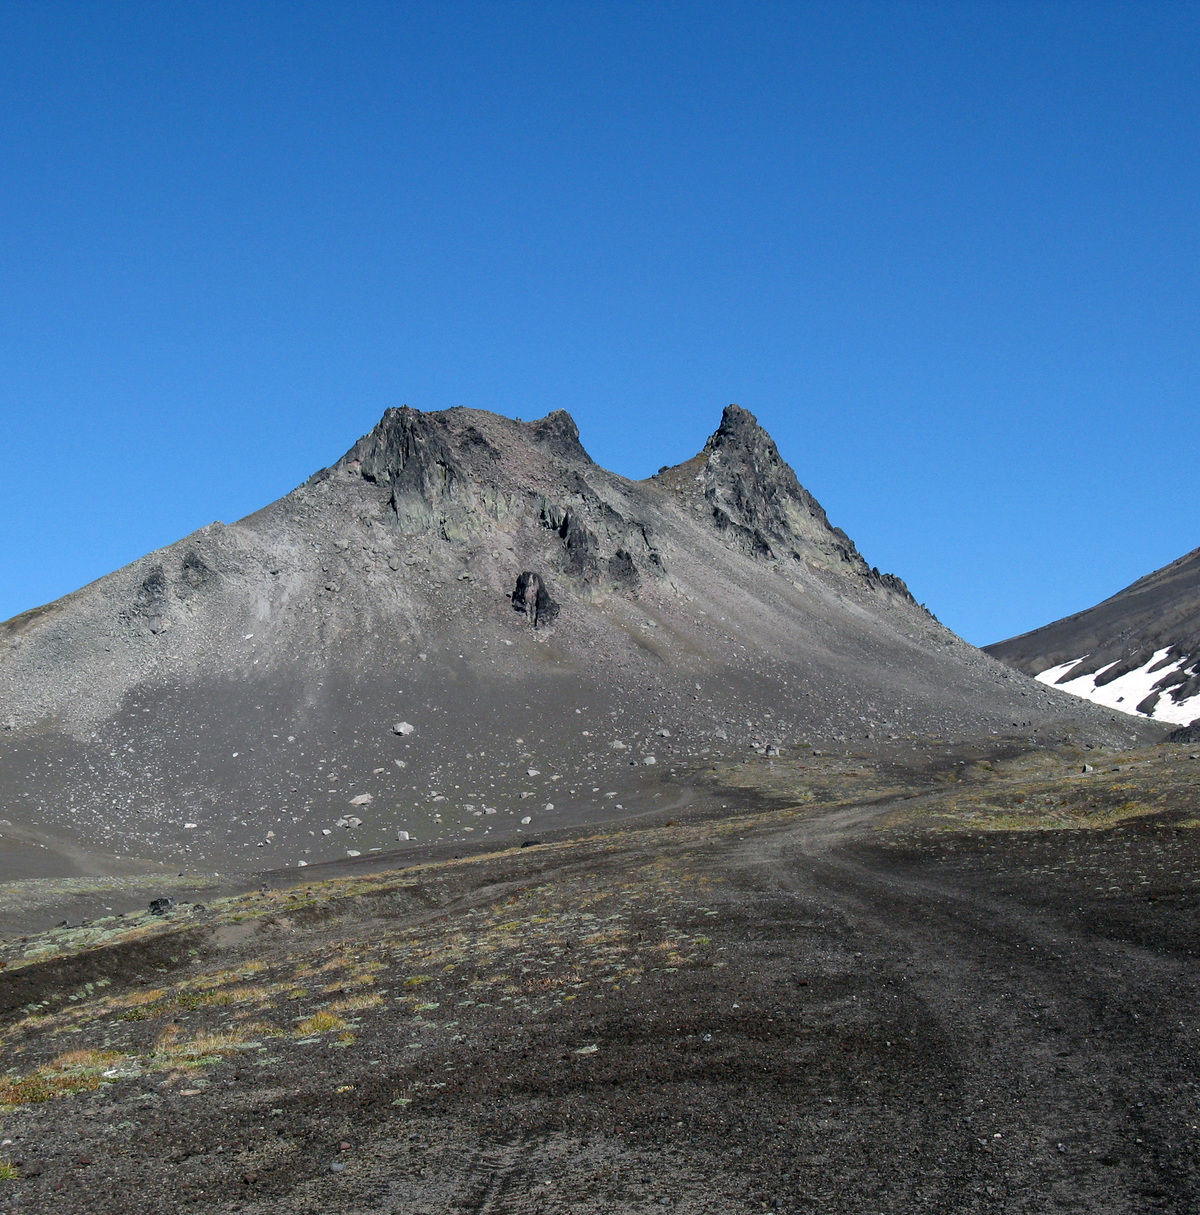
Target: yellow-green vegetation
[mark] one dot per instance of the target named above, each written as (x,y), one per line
(320,1023)
(811,780)
(355,1003)
(1066,790)
(73,1072)
(539,945)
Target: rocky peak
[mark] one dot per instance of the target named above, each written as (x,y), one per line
(427,454)
(559,435)
(751,488)
(744,470)
(752,497)
(406,451)
(438,467)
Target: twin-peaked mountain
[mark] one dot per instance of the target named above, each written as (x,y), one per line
(465,628)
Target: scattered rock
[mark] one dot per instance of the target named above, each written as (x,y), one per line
(363,799)
(403,727)
(162,906)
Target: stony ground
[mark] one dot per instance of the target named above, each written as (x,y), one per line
(958,982)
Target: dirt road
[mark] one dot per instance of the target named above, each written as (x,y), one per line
(790,1010)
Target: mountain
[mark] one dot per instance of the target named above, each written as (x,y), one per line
(464,629)
(1138,651)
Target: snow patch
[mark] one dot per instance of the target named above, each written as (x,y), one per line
(1129,690)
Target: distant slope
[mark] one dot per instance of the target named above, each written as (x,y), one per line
(466,628)
(1138,651)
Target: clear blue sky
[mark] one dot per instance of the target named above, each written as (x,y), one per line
(947,253)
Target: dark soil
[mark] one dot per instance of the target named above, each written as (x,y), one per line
(837,1008)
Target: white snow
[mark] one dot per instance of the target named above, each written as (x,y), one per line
(1128,691)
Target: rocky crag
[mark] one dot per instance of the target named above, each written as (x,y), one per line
(465,629)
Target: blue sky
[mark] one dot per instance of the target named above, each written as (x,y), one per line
(947,253)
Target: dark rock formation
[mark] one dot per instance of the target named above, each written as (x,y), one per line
(756,503)
(754,493)
(559,435)
(193,572)
(532,598)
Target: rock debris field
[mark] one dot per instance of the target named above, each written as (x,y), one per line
(964,981)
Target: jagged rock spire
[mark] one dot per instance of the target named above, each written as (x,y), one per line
(751,486)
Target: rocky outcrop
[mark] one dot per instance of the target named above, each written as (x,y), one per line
(752,492)
(1186,734)
(532,597)
(559,435)
(440,469)
(754,500)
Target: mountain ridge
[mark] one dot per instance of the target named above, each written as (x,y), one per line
(483,581)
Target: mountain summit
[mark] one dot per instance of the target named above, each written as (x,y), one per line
(466,628)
